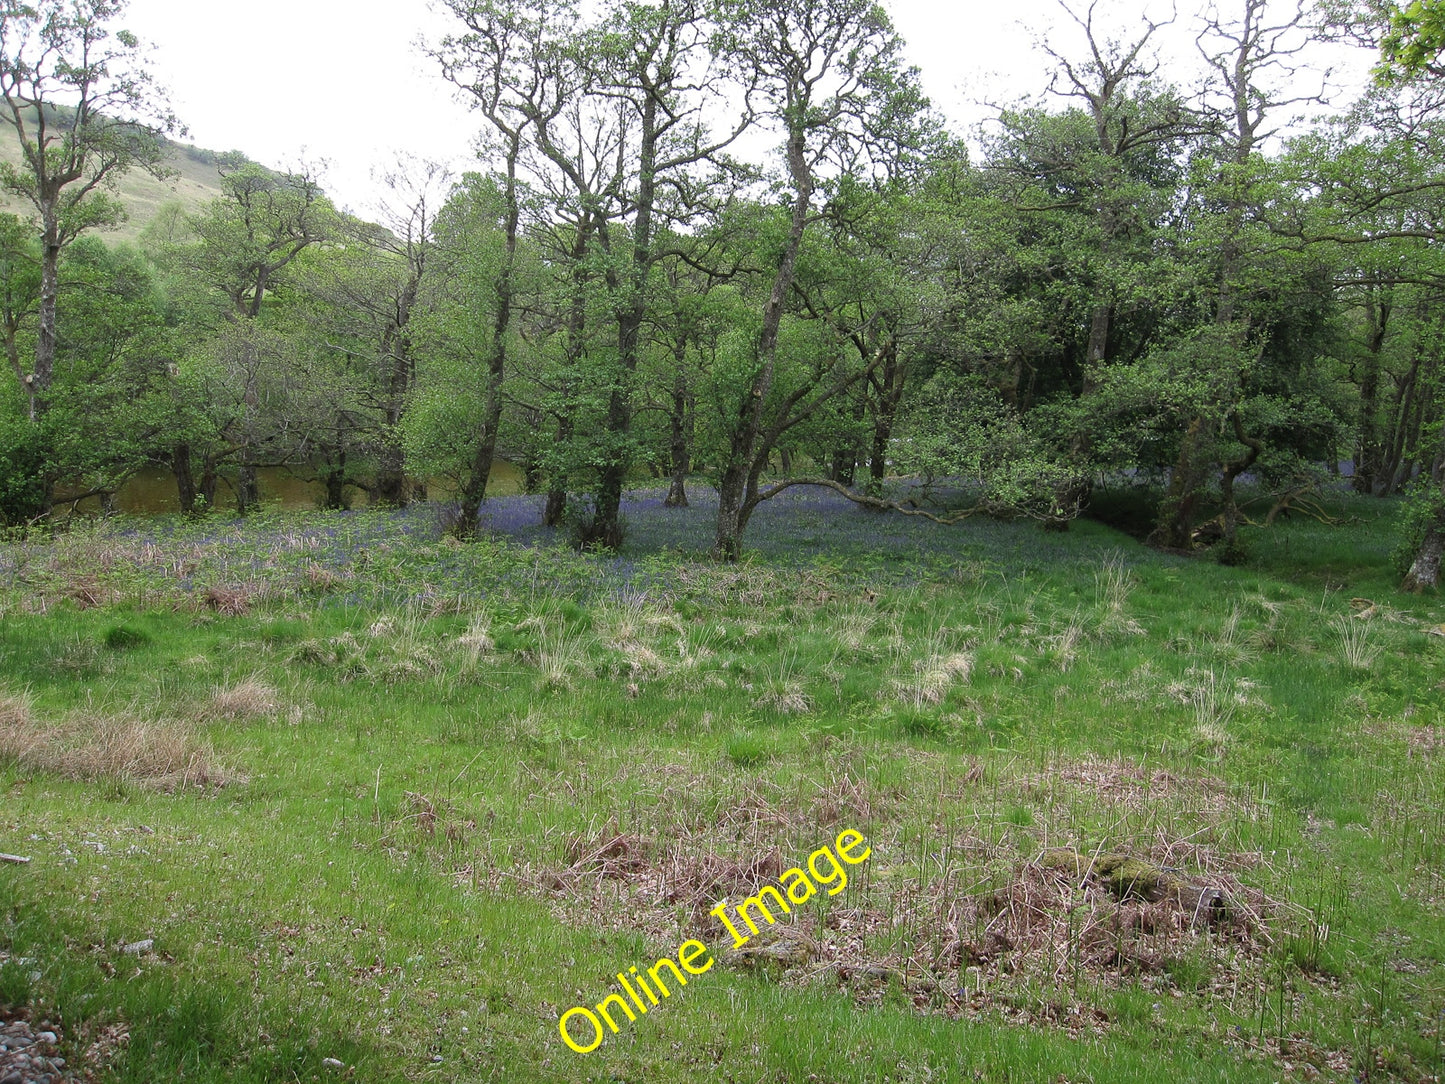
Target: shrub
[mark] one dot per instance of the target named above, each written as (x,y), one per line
(24,487)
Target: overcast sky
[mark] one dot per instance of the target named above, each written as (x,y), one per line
(343,81)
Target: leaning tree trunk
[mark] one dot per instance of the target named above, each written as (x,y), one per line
(475,489)
(747,426)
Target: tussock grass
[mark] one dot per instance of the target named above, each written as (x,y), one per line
(1357,642)
(249,699)
(110,748)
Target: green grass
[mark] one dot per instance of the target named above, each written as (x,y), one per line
(453,814)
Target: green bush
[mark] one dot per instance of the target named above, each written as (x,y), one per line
(24,486)
(124,637)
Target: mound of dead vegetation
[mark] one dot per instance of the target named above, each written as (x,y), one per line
(161,755)
(968,926)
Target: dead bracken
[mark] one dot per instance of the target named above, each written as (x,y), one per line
(977,939)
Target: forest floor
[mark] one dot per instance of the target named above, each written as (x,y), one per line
(328,796)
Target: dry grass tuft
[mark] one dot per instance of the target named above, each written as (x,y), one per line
(933,676)
(477,640)
(1358,647)
(87,595)
(252,698)
(1122,783)
(159,755)
(786,696)
(227,601)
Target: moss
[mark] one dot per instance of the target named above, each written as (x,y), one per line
(1124,875)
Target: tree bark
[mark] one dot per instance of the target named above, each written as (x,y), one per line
(678,432)
(1232,470)
(391,488)
(1424,574)
(185,481)
(45,339)
(891,382)
(334,480)
(248,489)
(1175,529)
(209,480)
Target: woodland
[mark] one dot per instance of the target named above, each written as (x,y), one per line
(733,241)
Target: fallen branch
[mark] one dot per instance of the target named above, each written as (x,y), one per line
(878,504)
(14,859)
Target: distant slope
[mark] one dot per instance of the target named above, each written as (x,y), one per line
(196,183)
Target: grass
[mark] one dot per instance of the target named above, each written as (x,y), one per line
(448,792)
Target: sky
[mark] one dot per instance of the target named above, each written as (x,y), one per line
(344,83)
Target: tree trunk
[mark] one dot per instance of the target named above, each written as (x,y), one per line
(474,491)
(45,338)
(1232,470)
(1424,574)
(555,510)
(391,488)
(728,542)
(248,489)
(891,383)
(605,530)
(1368,452)
(185,481)
(677,422)
(209,481)
(1175,529)
(748,424)
(390,480)
(334,479)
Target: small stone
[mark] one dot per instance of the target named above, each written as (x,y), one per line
(135,948)
(333,1063)
(18,1042)
(47,1037)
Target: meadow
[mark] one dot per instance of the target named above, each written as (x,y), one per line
(331,796)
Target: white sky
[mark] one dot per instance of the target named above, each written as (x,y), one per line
(343,81)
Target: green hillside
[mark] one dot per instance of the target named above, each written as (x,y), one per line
(195,182)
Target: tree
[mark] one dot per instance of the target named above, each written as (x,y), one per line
(85,110)
(363,301)
(508,61)
(243,247)
(829,74)
(1413,40)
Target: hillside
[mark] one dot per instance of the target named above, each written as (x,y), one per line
(195,183)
